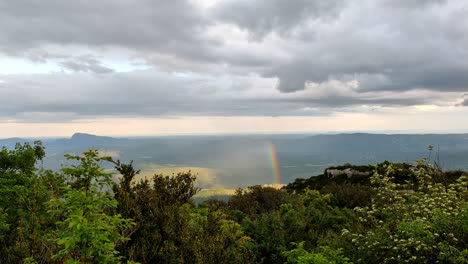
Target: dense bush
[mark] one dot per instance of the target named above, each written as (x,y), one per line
(427,224)
(256,201)
(322,255)
(350,195)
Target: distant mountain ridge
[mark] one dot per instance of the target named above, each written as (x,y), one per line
(361,142)
(246,159)
(11,142)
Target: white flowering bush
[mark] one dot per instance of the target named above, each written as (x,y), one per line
(425,222)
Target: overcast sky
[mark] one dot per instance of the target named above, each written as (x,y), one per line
(150,67)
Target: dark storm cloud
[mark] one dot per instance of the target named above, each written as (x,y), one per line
(398,53)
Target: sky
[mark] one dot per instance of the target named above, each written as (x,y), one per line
(158,67)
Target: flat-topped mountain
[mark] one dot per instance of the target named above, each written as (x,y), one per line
(89,138)
(83,140)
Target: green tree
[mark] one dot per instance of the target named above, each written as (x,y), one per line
(211,237)
(323,255)
(257,200)
(157,206)
(88,230)
(313,219)
(23,213)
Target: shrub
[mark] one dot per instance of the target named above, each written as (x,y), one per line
(427,224)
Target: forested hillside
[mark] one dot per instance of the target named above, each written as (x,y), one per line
(83,213)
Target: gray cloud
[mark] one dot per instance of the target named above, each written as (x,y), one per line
(139,93)
(406,49)
(67,97)
(465,100)
(85,64)
(262,17)
(398,53)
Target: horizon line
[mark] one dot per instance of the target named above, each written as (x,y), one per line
(272,133)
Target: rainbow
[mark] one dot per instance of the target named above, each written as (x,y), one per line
(275,169)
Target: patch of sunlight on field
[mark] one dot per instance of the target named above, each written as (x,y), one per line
(110,153)
(274,185)
(215,192)
(206,177)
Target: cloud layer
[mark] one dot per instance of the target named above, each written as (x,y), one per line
(232,57)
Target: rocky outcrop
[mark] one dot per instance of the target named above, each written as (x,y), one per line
(348,172)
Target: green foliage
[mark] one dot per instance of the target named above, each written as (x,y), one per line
(157,206)
(169,229)
(404,214)
(312,218)
(350,195)
(323,255)
(3,222)
(427,224)
(22,159)
(88,230)
(24,191)
(257,200)
(213,238)
(17,174)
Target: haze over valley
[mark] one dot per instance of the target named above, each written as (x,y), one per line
(232,161)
